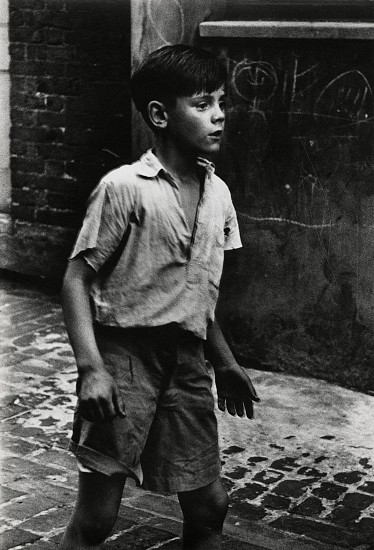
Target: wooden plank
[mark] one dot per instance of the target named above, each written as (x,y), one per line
(288,29)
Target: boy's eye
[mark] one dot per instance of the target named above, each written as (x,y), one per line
(202,105)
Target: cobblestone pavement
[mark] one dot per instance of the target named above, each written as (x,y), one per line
(300,475)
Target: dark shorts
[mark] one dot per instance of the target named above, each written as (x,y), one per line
(168,441)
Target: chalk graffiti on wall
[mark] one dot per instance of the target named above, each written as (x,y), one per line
(347,95)
(167,24)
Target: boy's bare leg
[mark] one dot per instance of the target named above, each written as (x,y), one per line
(95,511)
(204,511)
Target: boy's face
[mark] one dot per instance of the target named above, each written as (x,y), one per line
(196,122)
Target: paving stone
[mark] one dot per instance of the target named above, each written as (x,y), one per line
(46,523)
(8,494)
(291,488)
(233,450)
(229,543)
(238,473)
(58,458)
(27,507)
(317,530)
(366,527)
(253,460)
(276,502)
(329,491)
(250,491)
(247,511)
(368,487)
(311,506)
(16,537)
(286,464)
(139,539)
(343,515)
(310,472)
(17,445)
(357,500)
(349,478)
(268,477)
(23,466)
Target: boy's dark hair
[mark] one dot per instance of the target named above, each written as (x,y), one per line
(175,71)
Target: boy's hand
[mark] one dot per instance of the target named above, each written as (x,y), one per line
(98,397)
(235,391)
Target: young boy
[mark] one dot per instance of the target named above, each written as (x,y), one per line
(148,262)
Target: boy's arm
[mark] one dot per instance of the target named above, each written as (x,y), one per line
(98,396)
(234,387)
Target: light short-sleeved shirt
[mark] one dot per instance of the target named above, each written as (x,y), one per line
(163,273)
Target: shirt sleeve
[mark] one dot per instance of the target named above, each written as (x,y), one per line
(232,234)
(106,220)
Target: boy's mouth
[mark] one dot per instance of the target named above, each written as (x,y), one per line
(217,133)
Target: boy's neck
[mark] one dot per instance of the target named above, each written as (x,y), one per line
(182,165)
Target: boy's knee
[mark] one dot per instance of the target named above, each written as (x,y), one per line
(206,507)
(95,529)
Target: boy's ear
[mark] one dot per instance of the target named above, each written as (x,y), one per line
(157,114)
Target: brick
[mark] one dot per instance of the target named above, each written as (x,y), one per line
(329,491)
(19,34)
(59,218)
(29,165)
(27,4)
(53,18)
(25,117)
(311,506)
(357,500)
(50,118)
(17,51)
(16,537)
(25,213)
(317,530)
(55,151)
(26,100)
(16,18)
(54,168)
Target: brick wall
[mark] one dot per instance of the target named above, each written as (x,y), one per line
(70,108)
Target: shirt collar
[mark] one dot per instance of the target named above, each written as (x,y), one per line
(149,166)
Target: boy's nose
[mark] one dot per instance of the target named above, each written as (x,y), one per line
(218,114)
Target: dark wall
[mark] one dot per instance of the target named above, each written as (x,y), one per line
(298,157)
(70,114)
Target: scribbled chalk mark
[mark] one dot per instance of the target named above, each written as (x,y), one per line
(288,221)
(347,96)
(254,81)
(167,20)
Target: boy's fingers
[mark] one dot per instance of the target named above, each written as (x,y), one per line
(248,404)
(119,405)
(230,405)
(221,404)
(239,407)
